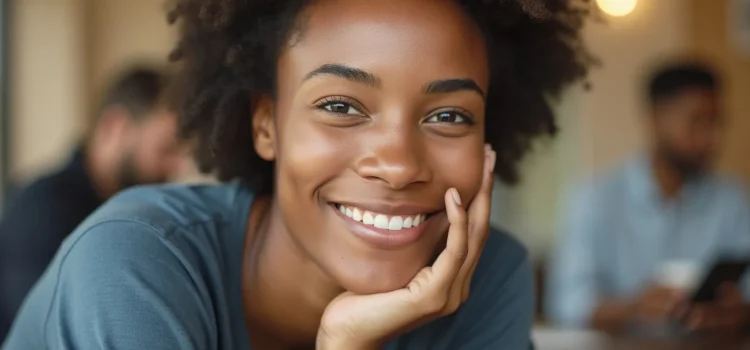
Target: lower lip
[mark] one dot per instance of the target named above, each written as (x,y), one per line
(382,238)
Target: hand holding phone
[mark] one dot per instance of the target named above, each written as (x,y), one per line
(725,313)
(725,272)
(717,305)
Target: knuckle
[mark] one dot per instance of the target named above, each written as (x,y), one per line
(451,306)
(460,255)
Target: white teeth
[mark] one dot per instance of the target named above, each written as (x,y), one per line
(368,218)
(417,220)
(396,223)
(407,222)
(382,221)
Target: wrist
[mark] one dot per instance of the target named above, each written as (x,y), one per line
(327,341)
(342,344)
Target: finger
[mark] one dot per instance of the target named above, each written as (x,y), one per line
(730,295)
(479,210)
(656,310)
(479,217)
(695,320)
(449,262)
(680,310)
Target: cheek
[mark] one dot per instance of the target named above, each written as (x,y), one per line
(145,160)
(461,167)
(310,155)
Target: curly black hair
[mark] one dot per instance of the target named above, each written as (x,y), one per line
(228,51)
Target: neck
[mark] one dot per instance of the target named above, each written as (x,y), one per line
(284,291)
(99,170)
(668,179)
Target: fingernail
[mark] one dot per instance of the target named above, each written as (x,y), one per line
(456,196)
(487,148)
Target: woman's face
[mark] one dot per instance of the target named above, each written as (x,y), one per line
(380,109)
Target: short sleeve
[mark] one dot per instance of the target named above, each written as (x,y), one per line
(120,285)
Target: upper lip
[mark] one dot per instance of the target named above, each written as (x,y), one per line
(392,208)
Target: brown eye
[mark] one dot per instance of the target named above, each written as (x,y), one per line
(339,107)
(448,117)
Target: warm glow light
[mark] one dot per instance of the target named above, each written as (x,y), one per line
(617,7)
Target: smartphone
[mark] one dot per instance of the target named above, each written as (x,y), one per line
(723,271)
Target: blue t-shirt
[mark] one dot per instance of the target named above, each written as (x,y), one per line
(160,268)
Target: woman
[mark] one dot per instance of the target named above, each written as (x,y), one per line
(357,130)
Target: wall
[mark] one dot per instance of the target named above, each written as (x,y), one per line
(629,46)
(124,32)
(600,127)
(63,55)
(47,87)
(710,37)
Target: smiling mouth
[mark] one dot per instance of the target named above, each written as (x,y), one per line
(382,221)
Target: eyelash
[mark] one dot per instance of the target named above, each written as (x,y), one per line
(347,101)
(353,104)
(458,112)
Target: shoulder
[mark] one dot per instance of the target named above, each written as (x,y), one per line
(168,207)
(194,222)
(157,245)
(107,278)
(500,309)
(193,218)
(503,280)
(50,188)
(504,261)
(190,226)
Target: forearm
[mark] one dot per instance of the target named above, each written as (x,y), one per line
(612,315)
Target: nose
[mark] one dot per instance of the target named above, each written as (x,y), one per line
(397,161)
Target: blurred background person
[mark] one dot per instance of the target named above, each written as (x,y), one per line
(133,142)
(663,206)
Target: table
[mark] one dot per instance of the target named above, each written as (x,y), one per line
(551,339)
(619,343)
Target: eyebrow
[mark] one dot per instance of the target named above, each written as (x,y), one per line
(348,73)
(453,85)
(359,76)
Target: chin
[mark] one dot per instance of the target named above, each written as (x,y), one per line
(375,278)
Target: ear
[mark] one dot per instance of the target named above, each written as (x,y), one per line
(264,131)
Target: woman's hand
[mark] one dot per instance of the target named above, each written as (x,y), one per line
(367,321)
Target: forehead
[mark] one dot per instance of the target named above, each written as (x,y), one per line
(693,99)
(421,40)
